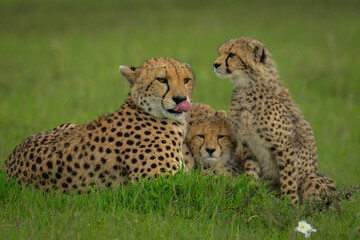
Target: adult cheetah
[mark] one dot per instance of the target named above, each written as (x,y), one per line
(267,122)
(142,139)
(210,141)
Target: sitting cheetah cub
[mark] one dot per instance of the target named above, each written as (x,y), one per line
(142,139)
(210,141)
(267,122)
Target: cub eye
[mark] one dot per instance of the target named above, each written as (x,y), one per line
(231,55)
(221,137)
(162,80)
(187,80)
(201,136)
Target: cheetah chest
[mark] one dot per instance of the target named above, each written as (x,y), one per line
(245,125)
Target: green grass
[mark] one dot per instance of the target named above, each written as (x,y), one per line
(59,63)
(181,207)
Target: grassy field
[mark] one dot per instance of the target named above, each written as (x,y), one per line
(59,63)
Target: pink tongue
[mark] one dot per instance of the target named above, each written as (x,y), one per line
(184,106)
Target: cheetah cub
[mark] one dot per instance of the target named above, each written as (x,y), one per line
(142,139)
(268,124)
(210,141)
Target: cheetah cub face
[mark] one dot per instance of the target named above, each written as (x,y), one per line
(210,139)
(161,86)
(242,59)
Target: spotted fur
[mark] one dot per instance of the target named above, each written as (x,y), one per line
(142,139)
(268,123)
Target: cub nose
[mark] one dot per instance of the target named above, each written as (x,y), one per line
(216,65)
(210,150)
(179,99)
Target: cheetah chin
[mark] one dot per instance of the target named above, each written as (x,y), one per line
(211,159)
(220,75)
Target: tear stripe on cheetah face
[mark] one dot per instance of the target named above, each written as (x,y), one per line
(265,119)
(210,139)
(161,87)
(112,150)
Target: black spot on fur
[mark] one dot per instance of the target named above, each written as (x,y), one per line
(49,164)
(69,158)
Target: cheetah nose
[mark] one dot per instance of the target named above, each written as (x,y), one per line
(216,65)
(210,150)
(179,99)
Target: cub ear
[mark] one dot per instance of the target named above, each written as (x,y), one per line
(258,50)
(128,73)
(221,113)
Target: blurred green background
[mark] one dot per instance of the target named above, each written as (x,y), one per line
(59,61)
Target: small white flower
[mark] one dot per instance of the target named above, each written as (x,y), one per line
(305,228)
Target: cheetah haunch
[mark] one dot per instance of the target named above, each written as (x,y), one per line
(210,141)
(267,122)
(142,139)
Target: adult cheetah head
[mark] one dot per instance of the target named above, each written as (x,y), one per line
(242,60)
(161,86)
(210,139)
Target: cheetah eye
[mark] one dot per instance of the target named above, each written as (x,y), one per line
(201,136)
(162,80)
(221,137)
(187,80)
(231,55)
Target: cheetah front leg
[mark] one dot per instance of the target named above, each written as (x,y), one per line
(247,162)
(277,132)
(287,170)
(188,158)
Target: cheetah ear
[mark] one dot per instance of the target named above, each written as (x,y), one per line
(129,73)
(187,66)
(220,113)
(258,50)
